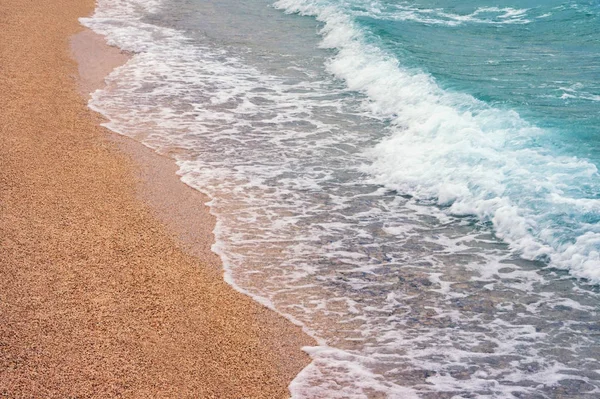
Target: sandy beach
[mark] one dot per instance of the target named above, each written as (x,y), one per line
(108,287)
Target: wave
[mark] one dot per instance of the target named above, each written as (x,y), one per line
(468,157)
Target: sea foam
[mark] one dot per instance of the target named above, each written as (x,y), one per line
(470,158)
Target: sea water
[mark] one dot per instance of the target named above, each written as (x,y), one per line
(413,182)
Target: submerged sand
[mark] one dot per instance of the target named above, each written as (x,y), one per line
(108,287)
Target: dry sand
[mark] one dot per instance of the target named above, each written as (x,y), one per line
(98,295)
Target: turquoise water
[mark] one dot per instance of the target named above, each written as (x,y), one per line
(502,98)
(415,183)
(541,59)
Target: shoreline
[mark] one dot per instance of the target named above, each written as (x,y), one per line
(109,286)
(178,206)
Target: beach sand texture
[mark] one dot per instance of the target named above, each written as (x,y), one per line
(98,295)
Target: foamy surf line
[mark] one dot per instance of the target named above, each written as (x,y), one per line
(115,21)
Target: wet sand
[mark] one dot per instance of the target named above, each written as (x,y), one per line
(108,287)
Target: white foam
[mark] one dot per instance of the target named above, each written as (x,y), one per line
(465,155)
(316,379)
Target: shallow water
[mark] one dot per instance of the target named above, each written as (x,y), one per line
(412,182)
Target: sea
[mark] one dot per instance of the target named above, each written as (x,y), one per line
(415,183)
